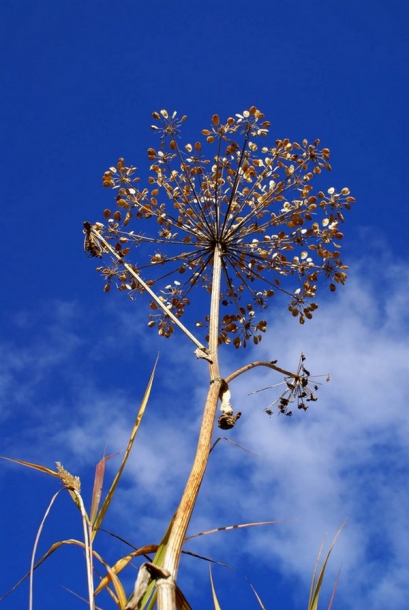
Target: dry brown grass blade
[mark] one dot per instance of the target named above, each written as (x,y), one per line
(70,482)
(119,590)
(229,440)
(31,465)
(122,563)
(181,601)
(50,551)
(119,596)
(153,547)
(209,559)
(331,601)
(72,541)
(98,484)
(233,527)
(108,498)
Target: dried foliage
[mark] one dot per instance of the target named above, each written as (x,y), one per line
(300,389)
(253,201)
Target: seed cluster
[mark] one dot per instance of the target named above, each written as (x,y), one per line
(254,204)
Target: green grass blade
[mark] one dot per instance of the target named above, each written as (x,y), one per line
(331,601)
(108,498)
(316,583)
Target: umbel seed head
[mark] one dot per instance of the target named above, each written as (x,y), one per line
(252,203)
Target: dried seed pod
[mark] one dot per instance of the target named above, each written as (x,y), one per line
(226,422)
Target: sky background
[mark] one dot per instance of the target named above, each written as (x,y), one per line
(79,82)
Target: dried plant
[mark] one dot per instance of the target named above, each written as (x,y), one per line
(252,205)
(241,221)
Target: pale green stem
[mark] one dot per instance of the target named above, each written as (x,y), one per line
(165,588)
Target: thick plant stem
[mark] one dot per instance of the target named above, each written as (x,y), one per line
(165,594)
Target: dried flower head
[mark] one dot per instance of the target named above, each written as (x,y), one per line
(300,388)
(67,479)
(253,203)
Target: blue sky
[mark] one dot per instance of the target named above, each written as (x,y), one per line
(79,83)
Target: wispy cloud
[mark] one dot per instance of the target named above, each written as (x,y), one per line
(346,458)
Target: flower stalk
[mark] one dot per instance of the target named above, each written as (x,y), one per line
(166,599)
(243,224)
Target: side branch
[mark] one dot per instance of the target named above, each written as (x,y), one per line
(140,281)
(252,365)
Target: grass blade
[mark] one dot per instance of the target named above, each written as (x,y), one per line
(331,601)
(108,498)
(262,606)
(31,465)
(316,583)
(122,563)
(36,541)
(231,527)
(98,484)
(215,600)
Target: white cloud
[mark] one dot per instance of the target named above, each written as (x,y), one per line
(346,458)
